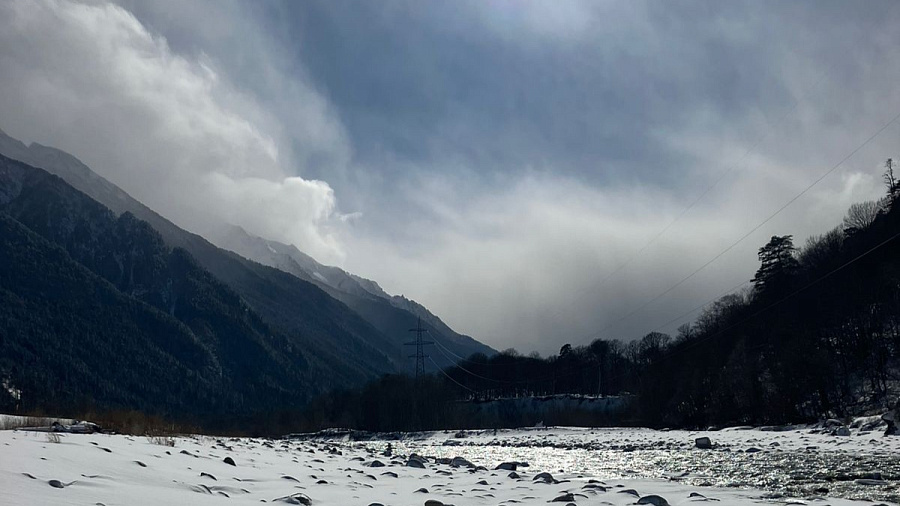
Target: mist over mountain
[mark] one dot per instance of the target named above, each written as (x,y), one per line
(390,314)
(249,336)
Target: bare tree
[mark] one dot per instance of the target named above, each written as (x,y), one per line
(860,216)
(893,186)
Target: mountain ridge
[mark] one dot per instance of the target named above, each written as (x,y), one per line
(265,290)
(392,314)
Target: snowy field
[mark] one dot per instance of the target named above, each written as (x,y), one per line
(586,467)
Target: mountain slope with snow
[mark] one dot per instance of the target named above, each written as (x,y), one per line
(393,315)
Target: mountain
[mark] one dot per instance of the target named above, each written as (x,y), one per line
(392,315)
(275,280)
(69,339)
(229,357)
(99,312)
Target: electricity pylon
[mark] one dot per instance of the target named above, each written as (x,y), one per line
(420,348)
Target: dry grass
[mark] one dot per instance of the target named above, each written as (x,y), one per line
(10,422)
(162,440)
(54,437)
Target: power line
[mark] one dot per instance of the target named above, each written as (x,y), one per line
(701,306)
(470,372)
(697,342)
(799,290)
(754,229)
(721,177)
(450,378)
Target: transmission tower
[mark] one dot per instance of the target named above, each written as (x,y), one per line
(420,347)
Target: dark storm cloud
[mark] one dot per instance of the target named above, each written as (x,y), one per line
(477,82)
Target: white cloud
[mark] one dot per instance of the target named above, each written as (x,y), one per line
(169,128)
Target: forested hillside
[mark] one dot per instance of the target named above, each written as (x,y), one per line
(206,352)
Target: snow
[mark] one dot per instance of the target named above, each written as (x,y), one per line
(117,469)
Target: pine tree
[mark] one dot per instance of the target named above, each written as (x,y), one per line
(777,263)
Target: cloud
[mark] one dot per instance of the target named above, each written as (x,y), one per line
(549,260)
(497,161)
(168,127)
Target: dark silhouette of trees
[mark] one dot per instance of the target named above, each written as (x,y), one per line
(860,216)
(777,264)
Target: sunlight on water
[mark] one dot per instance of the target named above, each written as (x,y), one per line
(803,473)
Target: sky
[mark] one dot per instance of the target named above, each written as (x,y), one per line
(535,173)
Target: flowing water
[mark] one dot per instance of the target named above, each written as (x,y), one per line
(799,472)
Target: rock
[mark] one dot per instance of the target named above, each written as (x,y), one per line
(415,463)
(544,477)
(376,463)
(422,490)
(841,431)
(506,466)
(778,428)
(461,462)
(298,498)
(833,422)
(207,475)
(655,500)
(704,443)
(629,491)
(752,450)
(890,418)
(56,484)
(567,497)
(229,461)
(867,423)
(514,475)
(433,502)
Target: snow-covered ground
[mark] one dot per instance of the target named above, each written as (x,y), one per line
(118,470)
